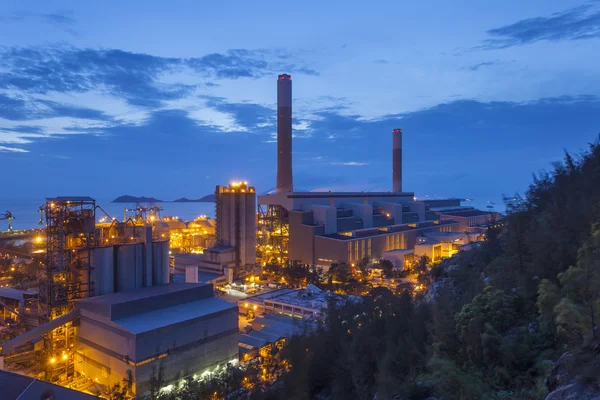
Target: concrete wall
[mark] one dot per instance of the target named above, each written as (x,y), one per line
(301,244)
(326,216)
(363,212)
(106,351)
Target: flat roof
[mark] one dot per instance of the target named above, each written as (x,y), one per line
(397,229)
(15,386)
(124,297)
(220,249)
(402,251)
(268,336)
(191,256)
(15,294)
(472,213)
(300,195)
(208,276)
(163,317)
(252,341)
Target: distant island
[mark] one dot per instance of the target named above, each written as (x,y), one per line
(134,199)
(210,198)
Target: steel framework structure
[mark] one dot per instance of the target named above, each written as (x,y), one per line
(66,275)
(273,234)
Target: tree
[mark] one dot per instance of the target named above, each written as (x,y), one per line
(340,272)
(490,311)
(362,266)
(578,311)
(388,268)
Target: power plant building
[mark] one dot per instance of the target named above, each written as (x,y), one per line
(235,233)
(321,228)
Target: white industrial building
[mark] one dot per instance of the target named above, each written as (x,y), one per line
(179,326)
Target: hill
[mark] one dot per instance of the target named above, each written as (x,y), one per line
(209,198)
(133,199)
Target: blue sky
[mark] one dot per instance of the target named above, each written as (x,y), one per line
(171,99)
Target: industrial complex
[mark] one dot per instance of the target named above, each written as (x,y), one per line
(118,300)
(321,228)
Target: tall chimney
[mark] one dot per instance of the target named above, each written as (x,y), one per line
(284,134)
(397,160)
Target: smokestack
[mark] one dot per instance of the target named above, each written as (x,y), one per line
(284,134)
(397,160)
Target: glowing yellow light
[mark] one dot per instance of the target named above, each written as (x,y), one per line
(52,360)
(38,239)
(64,356)
(254,307)
(12,268)
(246,305)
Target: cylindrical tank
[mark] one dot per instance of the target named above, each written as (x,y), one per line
(130,261)
(103,270)
(160,262)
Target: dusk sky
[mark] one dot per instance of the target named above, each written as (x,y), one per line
(169,99)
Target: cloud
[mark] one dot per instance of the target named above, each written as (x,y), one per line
(12,149)
(60,90)
(577,23)
(350,163)
(475,67)
(381,62)
(254,118)
(133,76)
(62,22)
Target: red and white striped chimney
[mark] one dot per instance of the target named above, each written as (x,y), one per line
(284,134)
(397,160)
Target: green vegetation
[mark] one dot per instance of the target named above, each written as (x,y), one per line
(494,320)
(492,324)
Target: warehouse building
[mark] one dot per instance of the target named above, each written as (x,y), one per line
(179,326)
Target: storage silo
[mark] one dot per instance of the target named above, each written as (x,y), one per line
(160,262)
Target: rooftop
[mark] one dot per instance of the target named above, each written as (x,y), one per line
(389,229)
(156,319)
(473,213)
(15,294)
(252,341)
(348,194)
(15,386)
(116,306)
(124,297)
(219,249)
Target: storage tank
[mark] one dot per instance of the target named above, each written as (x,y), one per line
(129,268)
(160,262)
(103,270)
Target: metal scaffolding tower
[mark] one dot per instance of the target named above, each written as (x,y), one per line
(66,275)
(273,234)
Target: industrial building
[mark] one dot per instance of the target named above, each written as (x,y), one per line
(180,326)
(235,248)
(15,386)
(309,303)
(321,228)
(106,309)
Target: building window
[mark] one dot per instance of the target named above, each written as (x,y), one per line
(350,252)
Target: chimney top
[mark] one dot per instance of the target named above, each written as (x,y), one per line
(397,130)
(284,77)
